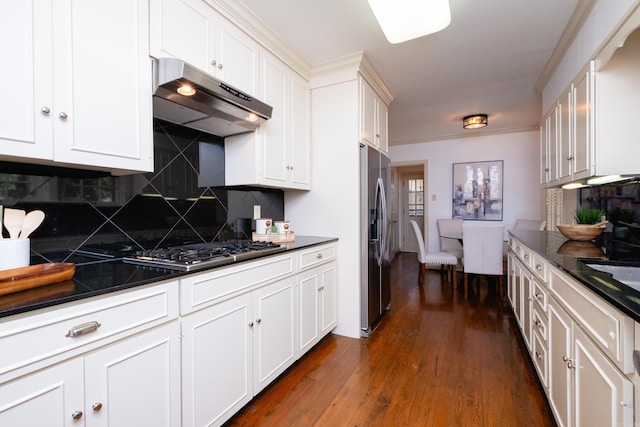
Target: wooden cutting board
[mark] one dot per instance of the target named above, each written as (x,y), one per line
(33,276)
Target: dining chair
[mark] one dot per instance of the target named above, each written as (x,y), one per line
(530,224)
(432,258)
(482,252)
(447,226)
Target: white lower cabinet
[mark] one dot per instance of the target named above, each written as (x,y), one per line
(580,345)
(316,299)
(235,348)
(133,382)
(585,388)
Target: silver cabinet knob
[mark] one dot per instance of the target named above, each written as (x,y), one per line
(258,320)
(45,109)
(251,324)
(213,62)
(219,66)
(96,406)
(63,115)
(319,256)
(76,415)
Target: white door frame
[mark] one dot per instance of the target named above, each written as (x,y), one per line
(403,218)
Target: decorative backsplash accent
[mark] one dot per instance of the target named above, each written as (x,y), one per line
(184,200)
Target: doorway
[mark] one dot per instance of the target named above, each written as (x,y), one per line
(412,202)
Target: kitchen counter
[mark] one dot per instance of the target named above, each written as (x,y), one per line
(101,277)
(569,256)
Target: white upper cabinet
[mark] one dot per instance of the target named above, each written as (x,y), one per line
(193,31)
(80,92)
(373,118)
(278,153)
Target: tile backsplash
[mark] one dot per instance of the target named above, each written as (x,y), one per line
(184,200)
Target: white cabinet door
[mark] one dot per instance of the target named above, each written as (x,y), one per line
(383,126)
(565,139)
(102,75)
(328,310)
(217,361)
(544,152)
(299,151)
(367,114)
(274,133)
(603,396)
(51,397)
(582,134)
(211,43)
(560,353)
(135,382)
(274,331)
(197,46)
(553,145)
(26,128)
(309,284)
(95,55)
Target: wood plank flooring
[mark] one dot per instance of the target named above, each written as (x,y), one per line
(434,360)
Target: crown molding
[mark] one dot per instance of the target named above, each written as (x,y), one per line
(347,68)
(577,19)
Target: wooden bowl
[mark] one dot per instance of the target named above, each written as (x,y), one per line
(581,232)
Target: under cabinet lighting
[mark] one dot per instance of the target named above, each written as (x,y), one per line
(605,179)
(573,186)
(403,20)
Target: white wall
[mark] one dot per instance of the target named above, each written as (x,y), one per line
(523,195)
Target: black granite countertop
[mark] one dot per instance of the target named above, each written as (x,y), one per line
(94,278)
(571,257)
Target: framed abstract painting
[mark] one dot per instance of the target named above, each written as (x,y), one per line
(477,190)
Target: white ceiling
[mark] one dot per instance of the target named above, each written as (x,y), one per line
(487,61)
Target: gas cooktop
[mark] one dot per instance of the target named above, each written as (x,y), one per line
(203,255)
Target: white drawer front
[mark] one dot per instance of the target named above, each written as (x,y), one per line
(522,252)
(202,290)
(610,329)
(540,356)
(539,295)
(317,255)
(28,339)
(539,266)
(539,323)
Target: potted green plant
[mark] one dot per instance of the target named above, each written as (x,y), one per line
(585,226)
(588,216)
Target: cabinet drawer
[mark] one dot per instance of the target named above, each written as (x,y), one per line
(540,356)
(539,295)
(202,290)
(50,332)
(539,323)
(610,329)
(315,256)
(539,266)
(522,252)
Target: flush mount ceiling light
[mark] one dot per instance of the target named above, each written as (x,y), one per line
(403,20)
(475,121)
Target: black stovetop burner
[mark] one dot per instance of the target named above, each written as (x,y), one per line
(202,255)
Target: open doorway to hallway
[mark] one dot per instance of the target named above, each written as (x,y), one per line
(411,204)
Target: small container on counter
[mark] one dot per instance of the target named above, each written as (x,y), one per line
(14,253)
(263,225)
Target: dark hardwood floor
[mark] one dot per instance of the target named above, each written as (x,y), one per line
(434,360)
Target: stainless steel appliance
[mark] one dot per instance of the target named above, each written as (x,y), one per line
(201,255)
(375,177)
(187,96)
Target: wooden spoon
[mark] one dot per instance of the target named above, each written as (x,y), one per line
(13,221)
(31,221)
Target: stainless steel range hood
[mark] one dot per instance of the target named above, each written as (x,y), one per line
(187,96)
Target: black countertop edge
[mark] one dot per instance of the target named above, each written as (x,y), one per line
(571,256)
(113,275)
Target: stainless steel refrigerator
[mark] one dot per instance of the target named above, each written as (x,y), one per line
(375,178)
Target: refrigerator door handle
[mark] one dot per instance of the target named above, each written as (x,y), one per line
(381,215)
